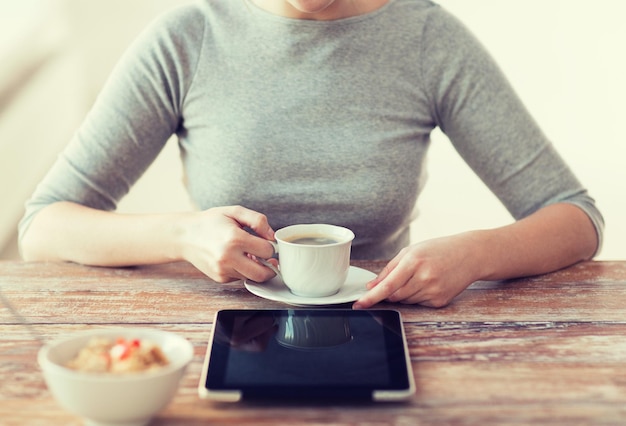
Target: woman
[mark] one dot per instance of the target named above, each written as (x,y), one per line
(311,111)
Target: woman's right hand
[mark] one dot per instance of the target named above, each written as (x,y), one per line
(216,242)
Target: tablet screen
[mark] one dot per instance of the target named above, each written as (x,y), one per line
(307,353)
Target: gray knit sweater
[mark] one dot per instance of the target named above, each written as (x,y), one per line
(310,121)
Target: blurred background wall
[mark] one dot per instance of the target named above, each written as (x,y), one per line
(564,57)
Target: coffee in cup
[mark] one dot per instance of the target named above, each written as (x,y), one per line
(315,239)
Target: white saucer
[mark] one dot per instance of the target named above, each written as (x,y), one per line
(274,289)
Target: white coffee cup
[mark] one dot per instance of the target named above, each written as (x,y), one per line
(314,259)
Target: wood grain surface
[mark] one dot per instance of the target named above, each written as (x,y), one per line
(542,350)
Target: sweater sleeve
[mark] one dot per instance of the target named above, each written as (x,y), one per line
(136,112)
(476,107)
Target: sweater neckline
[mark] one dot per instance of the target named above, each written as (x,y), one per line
(284,20)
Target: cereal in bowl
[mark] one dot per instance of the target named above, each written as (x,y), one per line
(103,355)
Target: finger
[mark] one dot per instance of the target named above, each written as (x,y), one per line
(383,274)
(264,262)
(240,261)
(249,268)
(257,246)
(239,267)
(253,220)
(395,280)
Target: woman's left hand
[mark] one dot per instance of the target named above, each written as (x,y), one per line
(429,273)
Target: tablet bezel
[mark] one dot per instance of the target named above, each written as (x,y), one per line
(403,389)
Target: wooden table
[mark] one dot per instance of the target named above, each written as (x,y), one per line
(543,350)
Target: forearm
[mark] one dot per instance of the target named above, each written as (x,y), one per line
(71,232)
(552,238)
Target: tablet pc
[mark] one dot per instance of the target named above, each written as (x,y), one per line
(337,354)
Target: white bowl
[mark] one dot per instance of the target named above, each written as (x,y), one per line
(115,399)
